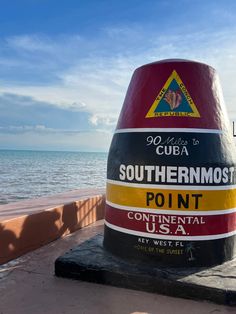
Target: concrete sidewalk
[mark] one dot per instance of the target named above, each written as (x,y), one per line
(28,286)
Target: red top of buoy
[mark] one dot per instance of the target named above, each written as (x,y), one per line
(173,94)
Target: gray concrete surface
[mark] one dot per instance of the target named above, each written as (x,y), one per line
(28,286)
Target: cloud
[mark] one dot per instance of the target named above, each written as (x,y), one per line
(36,138)
(107,120)
(26,123)
(18,110)
(13,129)
(72,84)
(31,43)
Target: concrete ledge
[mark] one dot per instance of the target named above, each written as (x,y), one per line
(27,225)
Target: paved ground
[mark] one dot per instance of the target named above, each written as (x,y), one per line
(28,286)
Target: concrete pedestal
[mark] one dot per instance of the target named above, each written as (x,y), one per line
(90,262)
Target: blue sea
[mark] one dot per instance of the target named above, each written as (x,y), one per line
(31,174)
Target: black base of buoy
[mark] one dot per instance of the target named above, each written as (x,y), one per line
(91,262)
(204,254)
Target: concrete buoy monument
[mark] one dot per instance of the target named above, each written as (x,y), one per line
(171,193)
(170,213)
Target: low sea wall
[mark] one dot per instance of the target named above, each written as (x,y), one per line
(27,225)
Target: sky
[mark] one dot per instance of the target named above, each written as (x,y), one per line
(65,65)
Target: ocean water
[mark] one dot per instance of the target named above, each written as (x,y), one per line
(31,174)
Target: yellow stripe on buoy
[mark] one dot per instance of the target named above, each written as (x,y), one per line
(191,200)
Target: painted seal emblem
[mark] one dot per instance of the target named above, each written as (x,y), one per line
(173,100)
